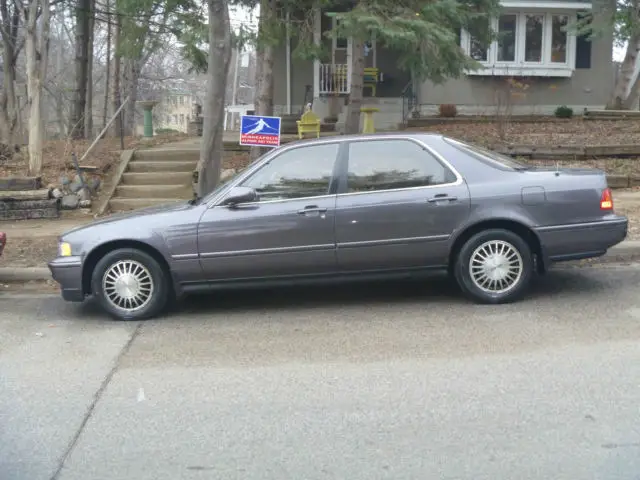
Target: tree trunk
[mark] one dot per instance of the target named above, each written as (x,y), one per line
(211,152)
(9,125)
(115,78)
(36,52)
(130,78)
(105,106)
(264,72)
(62,118)
(627,69)
(88,109)
(76,127)
(352,121)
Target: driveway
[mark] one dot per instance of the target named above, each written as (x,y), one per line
(375,381)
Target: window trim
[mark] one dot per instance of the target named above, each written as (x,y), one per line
(546,67)
(342,184)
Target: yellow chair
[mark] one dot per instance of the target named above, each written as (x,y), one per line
(370,79)
(308,123)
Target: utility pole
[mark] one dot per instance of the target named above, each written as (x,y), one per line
(234,92)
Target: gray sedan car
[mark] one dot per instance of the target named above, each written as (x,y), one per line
(348,208)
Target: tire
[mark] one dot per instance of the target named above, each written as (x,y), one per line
(153,296)
(514,286)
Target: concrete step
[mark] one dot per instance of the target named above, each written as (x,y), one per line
(123,204)
(136,166)
(177,178)
(167,154)
(154,191)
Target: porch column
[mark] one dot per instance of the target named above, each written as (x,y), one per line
(349,62)
(317,40)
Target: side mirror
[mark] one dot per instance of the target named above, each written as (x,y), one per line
(240,195)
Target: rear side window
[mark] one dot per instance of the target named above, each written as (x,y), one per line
(376,165)
(488,157)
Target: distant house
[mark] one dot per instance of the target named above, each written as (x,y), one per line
(175,111)
(559,68)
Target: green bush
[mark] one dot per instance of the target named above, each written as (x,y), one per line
(564,112)
(160,131)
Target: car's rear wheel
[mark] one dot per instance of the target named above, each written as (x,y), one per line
(494,266)
(130,284)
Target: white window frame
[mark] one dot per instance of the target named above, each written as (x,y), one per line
(545,68)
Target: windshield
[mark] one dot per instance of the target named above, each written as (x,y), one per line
(488,156)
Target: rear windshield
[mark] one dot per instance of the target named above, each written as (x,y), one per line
(487,156)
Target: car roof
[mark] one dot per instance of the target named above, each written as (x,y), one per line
(423,136)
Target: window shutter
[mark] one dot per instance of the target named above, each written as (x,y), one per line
(583,44)
(583,52)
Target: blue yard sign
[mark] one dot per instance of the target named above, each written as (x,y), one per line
(260,131)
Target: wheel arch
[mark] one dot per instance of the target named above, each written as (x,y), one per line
(101,250)
(519,228)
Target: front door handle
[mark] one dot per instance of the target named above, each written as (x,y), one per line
(312,209)
(442,197)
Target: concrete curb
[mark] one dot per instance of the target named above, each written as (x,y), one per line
(24,274)
(625,251)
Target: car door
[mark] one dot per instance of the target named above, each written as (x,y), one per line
(289,231)
(398,204)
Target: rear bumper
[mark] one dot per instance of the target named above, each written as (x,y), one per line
(581,240)
(67,271)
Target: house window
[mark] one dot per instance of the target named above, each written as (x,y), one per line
(175,119)
(507,38)
(528,43)
(181,100)
(559,38)
(182,119)
(478,50)
(534,26)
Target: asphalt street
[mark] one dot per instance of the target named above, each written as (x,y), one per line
(379,381)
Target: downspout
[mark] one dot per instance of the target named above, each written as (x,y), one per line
(288,62)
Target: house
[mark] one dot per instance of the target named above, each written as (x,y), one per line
(174,111)
(558,67)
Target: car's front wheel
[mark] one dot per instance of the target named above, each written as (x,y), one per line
(494,266)
(130,284)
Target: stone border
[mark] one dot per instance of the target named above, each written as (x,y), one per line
(125,158)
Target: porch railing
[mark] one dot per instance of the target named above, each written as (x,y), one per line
(334,79)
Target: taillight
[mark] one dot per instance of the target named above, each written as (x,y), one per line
(606,200)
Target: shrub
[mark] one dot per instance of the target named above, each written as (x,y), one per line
(564,112)
(448,110)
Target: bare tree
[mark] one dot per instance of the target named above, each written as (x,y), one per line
(82,11)
(37,53)
(210,162)
(11,46)
(264,72)
(88,107)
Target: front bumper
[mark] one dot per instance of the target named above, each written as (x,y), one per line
(582,240)
(67,271)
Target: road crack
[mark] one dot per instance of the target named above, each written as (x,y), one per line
(96,398)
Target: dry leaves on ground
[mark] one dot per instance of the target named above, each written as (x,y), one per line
(570,132)
(57,155)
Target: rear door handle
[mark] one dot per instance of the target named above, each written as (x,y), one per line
(312,209)
(442,197)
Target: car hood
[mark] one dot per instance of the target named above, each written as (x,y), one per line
(143,212)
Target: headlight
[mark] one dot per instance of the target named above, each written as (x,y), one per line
(64,249)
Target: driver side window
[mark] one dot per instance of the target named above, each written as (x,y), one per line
(297,173)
